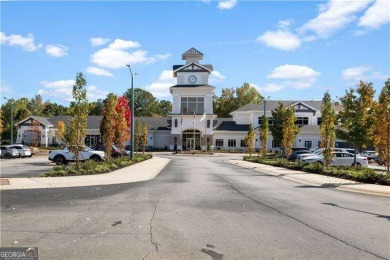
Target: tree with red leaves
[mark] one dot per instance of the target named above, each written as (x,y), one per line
(123,122)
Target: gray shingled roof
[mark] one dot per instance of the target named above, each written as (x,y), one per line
(273,104)
(227,124)
(93,122)
(192,51)
(42,120)
(156,123)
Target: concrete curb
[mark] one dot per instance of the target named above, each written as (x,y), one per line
(142,171)
(316,179)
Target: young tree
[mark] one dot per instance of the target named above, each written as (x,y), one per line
(144,137)
(327,128)
(123,122)
(108,124)
(61,132)
(356,120)
(79,113)
(290,130)
(138,132)
(382,125)
(264,132)
(250,140)
(277,127)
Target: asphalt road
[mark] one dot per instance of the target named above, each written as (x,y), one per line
(25,167)
(199,207)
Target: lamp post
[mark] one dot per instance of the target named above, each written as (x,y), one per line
(132,114)
(12,120)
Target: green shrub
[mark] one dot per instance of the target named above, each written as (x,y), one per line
(359,174)
(91,167)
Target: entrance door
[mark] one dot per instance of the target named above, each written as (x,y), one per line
(190,143)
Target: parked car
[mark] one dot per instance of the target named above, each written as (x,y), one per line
(23,150)
(65,155)
(371,155)
(294,155)
(8,152)
(339,158)
(300,157)
(115,151)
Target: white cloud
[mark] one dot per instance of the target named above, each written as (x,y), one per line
(216,76)
(355,73)
(333,16)
(227,4)
(97,41)
(115,56)
(377,15)
(56,50)
(160,88)
(285,24)
(119,44)
(93,93)
(99,71)
(62,90)
(295,76)
(293,72)
(27,43)
(270,87)
(280,39)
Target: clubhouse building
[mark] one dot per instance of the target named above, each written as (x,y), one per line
(192,123)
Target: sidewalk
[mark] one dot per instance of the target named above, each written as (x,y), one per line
(316,179)
(142,171)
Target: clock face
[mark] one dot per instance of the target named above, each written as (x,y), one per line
(192,79)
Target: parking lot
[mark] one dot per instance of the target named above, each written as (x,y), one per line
(25,167)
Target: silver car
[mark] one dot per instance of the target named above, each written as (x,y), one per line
(7,152)
(24,150)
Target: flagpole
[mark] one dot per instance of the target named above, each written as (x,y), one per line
(181,130)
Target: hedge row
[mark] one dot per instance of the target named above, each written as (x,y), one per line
(359,174)
(91,167)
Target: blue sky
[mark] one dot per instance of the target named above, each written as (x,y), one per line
(288,50)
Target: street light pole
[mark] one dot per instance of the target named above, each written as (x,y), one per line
(132,114)
(12,120)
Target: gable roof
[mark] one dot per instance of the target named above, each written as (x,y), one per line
(205,68)
(192,52)
(273,104)
(43,120)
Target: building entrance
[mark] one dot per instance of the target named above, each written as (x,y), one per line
(190,140)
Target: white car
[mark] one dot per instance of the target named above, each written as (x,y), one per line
(339,158)
(370,154)
(24,150)
(8,152)
(319,152)
(65,155)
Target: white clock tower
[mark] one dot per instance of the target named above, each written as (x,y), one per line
(192,108)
